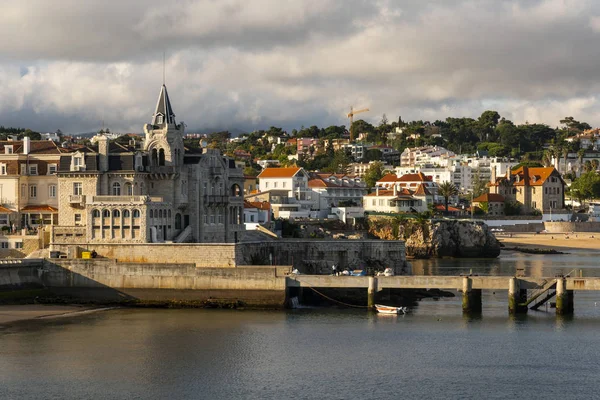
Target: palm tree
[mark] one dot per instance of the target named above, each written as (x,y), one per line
(580,154)
(447,190)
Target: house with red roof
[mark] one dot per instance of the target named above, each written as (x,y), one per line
(333,190)
(534,188)
(490,203)
(286,189)
(398,200)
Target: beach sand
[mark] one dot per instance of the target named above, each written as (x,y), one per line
(13,313)
(558,241)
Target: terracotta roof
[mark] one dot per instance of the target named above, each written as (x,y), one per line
(541,174)
(418,177)
(422,191)
(442,207)
(40,208)
(36,147)
(279,172)
(489,197)
(261,205)
(389,178)
(4,210)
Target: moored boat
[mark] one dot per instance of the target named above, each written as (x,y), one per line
(390,310)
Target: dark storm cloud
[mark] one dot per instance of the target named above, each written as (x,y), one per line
(250,64)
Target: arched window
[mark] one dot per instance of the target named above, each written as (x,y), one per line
(136,213)
(96,213)
(116,213)
(154,157)
(161,157)
(128,189)
(169,213)
(235,190)
(126,214)
(177,221)
(116,189)
(106,213)
(160,214)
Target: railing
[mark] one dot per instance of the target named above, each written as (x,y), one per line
(76,199)
(215,198)
(126,199)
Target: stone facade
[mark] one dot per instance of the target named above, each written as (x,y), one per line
(541,189)
(161,192)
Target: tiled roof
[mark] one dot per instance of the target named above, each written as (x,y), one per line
(261,205)
(40,208)
(418,177)
(422,191)
(536,176)
(489,197)
(4,210)
(279,172)
(36,147)
(389,178)
(442,207)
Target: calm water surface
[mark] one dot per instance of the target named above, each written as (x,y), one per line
(313,353)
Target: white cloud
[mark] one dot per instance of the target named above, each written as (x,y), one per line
(241,64)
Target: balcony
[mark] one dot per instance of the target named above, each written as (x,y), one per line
(77,199)
(215,199)
(125,199)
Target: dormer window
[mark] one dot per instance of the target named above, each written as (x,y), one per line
(8,149)
(33,169)
(159,119)
(77,162)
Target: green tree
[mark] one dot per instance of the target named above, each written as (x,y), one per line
(372,155)
(447,190)
(373,173)
(339,163)
(587,186)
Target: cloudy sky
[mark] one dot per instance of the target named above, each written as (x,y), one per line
(250,64)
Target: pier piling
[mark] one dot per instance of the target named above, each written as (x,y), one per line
(564,297)
(471,301)
(515,297)
(372,290)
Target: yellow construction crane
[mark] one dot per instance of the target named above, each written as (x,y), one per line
(351,115)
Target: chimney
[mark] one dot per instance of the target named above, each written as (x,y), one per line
(26,145)
(103,152)
(395,190)
(377,190)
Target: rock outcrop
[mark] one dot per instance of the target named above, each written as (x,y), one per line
(438,238)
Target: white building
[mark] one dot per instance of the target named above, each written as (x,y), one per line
(398,200)
(333,190)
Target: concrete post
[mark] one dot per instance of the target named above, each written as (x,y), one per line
(471,301)
(372,291)
(564,298)
(515,297)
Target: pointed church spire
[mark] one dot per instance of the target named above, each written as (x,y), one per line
(164,112)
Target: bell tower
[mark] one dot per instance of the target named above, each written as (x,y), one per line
(164,137)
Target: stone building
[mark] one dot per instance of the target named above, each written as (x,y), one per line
(540,189)
(28,182)
(158,192)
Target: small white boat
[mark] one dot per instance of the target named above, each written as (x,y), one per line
(390,310)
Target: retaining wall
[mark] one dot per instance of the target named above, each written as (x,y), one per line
(563,227)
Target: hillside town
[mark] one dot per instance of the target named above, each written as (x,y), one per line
(169,186)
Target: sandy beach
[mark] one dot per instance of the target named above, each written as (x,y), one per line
(558,241)
(14,313)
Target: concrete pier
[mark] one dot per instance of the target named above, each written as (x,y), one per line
(372,291)
(564,298)
(471,298)
(515,297)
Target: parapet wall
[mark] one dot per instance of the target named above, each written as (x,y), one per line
(201,254)
(316,256)
(308,255)
(564,227)
(105,280)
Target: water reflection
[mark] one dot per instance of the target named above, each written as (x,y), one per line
(514,263)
